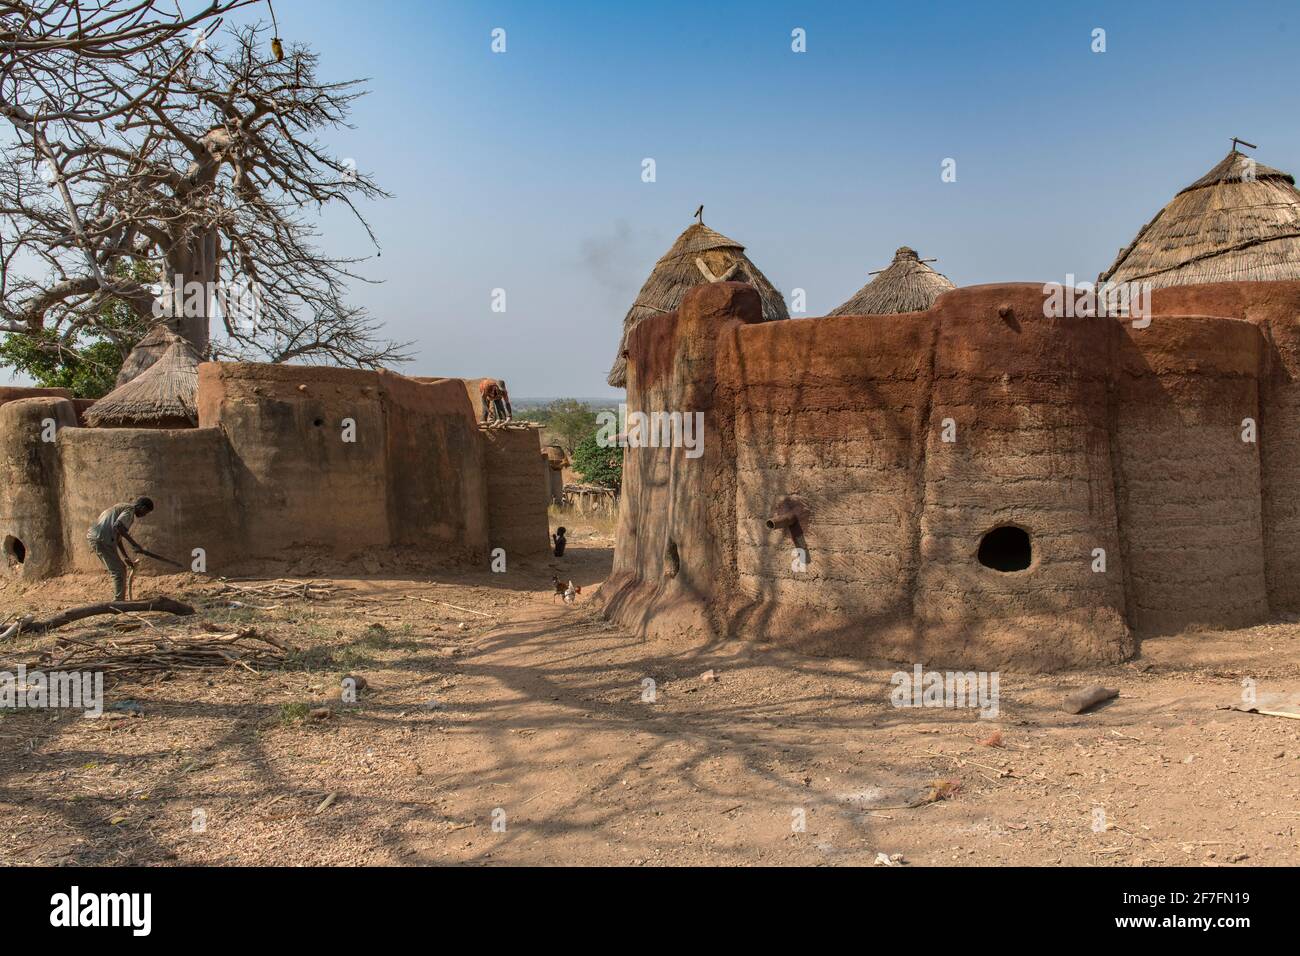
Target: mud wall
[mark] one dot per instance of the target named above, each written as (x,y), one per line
(554,483)
(1017,437)
(468,385)
(31,523)
(347,461)
(1189,486)
(289,463)
(309,448)
(1274,308)
(830,413)
(187,473)
(437,488)
(12,393)
(516,490)
(909,438)
(675,558)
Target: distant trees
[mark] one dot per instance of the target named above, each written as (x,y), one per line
(567,422)
(597,464)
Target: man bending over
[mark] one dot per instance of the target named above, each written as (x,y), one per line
(495,400)
(105,538)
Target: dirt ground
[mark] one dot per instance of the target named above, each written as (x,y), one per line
(523,737)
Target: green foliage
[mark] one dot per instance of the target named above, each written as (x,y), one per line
(597,465)
(88,362)
(88,369)
(567,422)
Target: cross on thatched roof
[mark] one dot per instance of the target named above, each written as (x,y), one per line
(1240,221)
(699,255)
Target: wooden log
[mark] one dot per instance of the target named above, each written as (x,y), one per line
(29,626)
(1091,696)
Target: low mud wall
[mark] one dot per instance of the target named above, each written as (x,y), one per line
(516,487)
(298,467)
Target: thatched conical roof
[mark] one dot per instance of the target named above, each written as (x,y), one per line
(1241,220)
(162,396)
(907,285)
(147,351)
(679,271)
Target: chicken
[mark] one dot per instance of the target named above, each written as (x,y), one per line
(569,591)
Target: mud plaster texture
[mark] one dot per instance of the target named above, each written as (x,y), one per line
(289,465)
(1091,435)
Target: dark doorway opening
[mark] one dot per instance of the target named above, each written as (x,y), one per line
(15,550)
(672,560)
(1006,549)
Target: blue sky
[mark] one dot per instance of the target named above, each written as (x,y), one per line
(522,170)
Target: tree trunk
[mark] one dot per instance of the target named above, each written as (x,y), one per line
(188,299)
(194,265)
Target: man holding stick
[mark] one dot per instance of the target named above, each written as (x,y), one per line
(105,539)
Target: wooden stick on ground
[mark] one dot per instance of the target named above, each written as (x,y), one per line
(29,626)
(454,607)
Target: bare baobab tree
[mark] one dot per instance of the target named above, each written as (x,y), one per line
(142,143)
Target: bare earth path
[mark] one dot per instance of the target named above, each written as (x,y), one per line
(525,738)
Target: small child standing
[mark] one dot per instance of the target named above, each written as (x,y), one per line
(558,541)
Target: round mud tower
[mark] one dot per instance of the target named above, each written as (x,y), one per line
(1187,442)
(1018,439)
(31,533)
(829,414)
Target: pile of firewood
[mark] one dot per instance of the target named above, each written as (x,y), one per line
(162,653)
(280,588)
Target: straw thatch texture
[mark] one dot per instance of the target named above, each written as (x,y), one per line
(678,271)
(147,351)
(162,396)
(908,285)
(1240,221)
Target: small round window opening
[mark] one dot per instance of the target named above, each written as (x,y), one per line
(1006,549)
